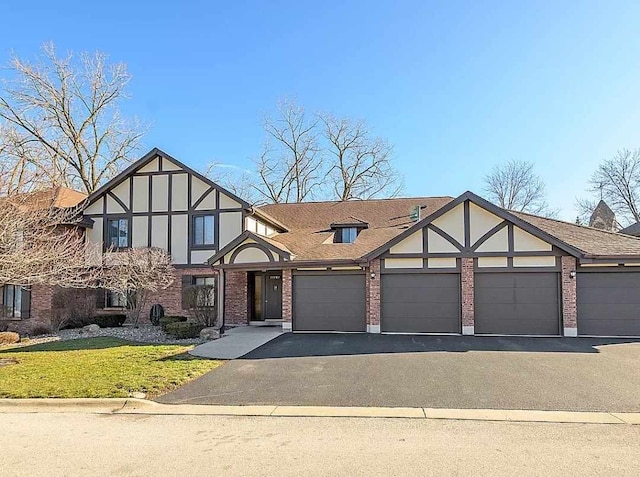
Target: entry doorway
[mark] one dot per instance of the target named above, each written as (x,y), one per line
(265,293)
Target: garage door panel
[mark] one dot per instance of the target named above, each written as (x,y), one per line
(619,327)
(518,295)
(329,302)
(517,303)
(404,324)
(605,312)
(420,303)
(516,279)
(608,303)
(422,295)
(417,310)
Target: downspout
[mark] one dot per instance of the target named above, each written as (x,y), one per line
(221,301)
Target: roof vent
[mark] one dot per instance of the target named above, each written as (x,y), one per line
(414,214)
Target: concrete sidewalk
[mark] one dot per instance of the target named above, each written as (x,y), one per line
(237,342)
(142,406)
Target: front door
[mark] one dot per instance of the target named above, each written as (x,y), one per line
(273,296)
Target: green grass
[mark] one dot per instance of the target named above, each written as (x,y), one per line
(97,367)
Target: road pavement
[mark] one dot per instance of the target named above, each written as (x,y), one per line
(141,445)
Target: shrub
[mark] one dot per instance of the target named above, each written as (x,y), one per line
(165,320)
(3,326)
(40,330)
(106,321)
(182,329)
(8,337)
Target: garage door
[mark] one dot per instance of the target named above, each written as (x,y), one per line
(329,302)
(420,303)
(512,303)
(608,303)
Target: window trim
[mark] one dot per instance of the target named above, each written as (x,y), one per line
(12,316)
(192,239)
(339,234)
(107,238)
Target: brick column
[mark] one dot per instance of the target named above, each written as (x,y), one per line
(235,300)
(569,304)
(286,300)
(373,297)
(466,283)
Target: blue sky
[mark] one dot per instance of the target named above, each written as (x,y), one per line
(456,86)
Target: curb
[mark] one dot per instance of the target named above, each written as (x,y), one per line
(143,406)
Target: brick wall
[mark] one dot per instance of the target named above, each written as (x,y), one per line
(569,304)
(40,312)
(236,296)
(467,285)
(373,294)
(287,299)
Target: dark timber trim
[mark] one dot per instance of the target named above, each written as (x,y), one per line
(489,234)
(245,246)
(241,238)
(470,196)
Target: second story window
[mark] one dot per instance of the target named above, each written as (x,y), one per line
(346,235)
(118,233)
(203,230)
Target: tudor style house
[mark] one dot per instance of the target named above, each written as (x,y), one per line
(439,265)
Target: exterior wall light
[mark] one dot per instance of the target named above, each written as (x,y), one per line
(373,275)
(572,274)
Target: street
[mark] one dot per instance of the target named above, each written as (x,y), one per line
(127,445)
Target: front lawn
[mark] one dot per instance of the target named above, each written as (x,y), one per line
(96,367)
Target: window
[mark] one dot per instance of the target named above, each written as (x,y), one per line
(210,284)
(203,227)
(118,233)
(115,300)
(12,299)
(346,235)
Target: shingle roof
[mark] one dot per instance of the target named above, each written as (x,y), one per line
(591,241)
(633,229)
(310,236)
(60,197)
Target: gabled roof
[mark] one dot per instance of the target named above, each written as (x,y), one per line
(633,229)
(310,235)
(148,157)
(58,197)
(268,243)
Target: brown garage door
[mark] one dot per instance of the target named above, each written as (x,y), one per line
(329,302)
(517,303)
(608,303)
(420,303)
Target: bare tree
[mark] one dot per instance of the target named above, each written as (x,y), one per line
(290,166)
(60,122)
(235,179)
(42,244)
(201,299)
(617,182)
(516,186)
(135,274)
(361,166)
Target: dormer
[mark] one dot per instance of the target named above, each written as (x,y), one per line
(348,231)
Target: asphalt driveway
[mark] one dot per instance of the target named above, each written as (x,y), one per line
(427,371)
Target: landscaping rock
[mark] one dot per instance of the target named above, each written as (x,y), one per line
(9,337)
(209,334)
(90,328)
(138,395)
(144,334)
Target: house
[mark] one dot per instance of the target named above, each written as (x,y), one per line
(438,265)
(633,229)
(18,304)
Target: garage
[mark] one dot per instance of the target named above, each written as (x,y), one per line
(517,303)
(329,302)
(420,303)
(608,303)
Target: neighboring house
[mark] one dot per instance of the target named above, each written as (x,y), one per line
(603,218)
(19,303)
(460,266)
(633,229)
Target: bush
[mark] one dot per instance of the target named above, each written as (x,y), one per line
(166,320)
(106,321)
(182,329)
(40,330)
(7,337)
